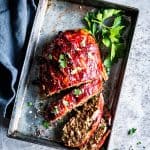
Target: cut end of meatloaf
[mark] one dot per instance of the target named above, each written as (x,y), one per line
(78,96)
(82,126)
(71,59)
(99,137)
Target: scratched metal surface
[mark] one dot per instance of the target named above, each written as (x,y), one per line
(26,122)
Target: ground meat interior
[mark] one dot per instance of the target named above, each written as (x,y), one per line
(82,126)
(97,140)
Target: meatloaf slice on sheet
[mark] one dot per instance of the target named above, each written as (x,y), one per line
(57,109)
(79,129)
(99,137)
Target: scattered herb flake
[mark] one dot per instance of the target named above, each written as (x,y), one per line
(65,102)
(131,147)
(29,104)
(144,147)
(77,92)
(138,143)
(62,61)
(55,110)
(50,57)
(46,124)
(106,42)
(131,131)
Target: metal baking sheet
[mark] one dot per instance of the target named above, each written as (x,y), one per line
(54,16)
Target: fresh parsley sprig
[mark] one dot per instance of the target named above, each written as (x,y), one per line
(107,27)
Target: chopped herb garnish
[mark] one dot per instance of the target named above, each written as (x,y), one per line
(65,102)
(138,143)
(131,131)
(29,104)
(55,110)
(46,124)
(74,71)
(109,25)
(77,92)
(50,57)
(62,61)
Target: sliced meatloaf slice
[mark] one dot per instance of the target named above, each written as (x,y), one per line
(76,97)
(71,59)
(78,130)
(102,132)
(99,137)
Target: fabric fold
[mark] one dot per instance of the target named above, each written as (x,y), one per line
(16,17)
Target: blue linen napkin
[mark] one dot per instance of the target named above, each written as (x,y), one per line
(16,18)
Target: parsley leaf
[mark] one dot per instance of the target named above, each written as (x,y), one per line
(113,51)
(106,41)
(107,63)
(138,143)
(45,124)
(29,104)
(50,57)
(55,110)
(65,102)
(110,12)
(77,92)
(131,131)
(117,21)
(62,61)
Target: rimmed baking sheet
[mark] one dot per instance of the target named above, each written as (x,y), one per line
(52,17)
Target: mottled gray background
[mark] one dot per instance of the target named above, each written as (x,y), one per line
(134,105)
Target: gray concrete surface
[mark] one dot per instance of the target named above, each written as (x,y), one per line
(134,105)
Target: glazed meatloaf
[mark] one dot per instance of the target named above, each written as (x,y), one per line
(78,130)
(71,59)
(72,65)
(76,97)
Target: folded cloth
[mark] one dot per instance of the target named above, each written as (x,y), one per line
(16,18)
